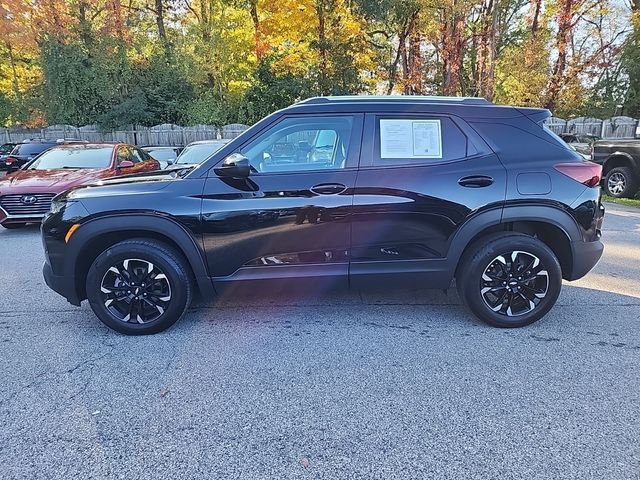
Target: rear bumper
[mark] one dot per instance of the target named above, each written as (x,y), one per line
(585,256)
(62,285)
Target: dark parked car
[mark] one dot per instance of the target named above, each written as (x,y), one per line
(166,155)
(25,196)
(413,190)
(581,142)
(5,150)
(26,151)
(620,160)
(197,152)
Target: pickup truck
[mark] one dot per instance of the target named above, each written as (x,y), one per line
(620,160)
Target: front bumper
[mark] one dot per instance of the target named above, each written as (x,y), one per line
(63,285)
(585,256)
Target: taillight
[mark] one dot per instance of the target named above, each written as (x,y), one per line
(587,173)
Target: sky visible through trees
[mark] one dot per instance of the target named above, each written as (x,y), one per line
(125,62)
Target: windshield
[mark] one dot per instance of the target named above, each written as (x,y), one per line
(31,148)
(198,153)
(83,157)
(164,154)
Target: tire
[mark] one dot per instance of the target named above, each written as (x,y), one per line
(621,182)
(161,280)
(487,265)
(14,226)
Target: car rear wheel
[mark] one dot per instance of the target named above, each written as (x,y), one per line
(510,281)
(620,182)
(14,226)
(139,287)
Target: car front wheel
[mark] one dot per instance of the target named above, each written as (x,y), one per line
(139,287)
(510,281)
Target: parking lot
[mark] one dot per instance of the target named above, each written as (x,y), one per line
(385,384)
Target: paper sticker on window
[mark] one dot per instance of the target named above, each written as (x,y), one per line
(410,139)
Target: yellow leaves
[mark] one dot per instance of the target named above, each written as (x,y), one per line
(522,74)
(290,31)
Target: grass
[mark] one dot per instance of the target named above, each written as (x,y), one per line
(631,202)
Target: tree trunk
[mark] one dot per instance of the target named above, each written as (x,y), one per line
(413,72)
(322,47)
(564,19)
(204,21)
(486,51)
(84,25)
(162,33)
(453,42)
(253,10)
(534,16)
(14,71)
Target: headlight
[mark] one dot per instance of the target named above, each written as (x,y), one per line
(58,205)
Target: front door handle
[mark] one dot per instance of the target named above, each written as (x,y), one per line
(476,181)
(328,188)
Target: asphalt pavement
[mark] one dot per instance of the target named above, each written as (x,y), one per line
(345,385)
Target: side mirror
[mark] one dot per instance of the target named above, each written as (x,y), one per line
(235,165)
(125,164)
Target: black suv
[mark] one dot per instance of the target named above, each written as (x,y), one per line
(340,191)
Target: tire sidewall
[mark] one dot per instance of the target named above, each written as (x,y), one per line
(472,280)
(630,183)
(173,271)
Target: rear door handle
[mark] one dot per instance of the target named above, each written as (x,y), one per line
(328,188)
(476,181)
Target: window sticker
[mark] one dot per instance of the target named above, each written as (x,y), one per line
(410,139)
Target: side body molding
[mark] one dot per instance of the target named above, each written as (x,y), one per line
(144,222)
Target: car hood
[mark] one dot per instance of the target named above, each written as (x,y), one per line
(50,180)
(125,185)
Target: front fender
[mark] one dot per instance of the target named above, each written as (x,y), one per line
(154,223)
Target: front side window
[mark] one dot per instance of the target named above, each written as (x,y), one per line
(124,155)
(418,140)
(301,144)
(136,155)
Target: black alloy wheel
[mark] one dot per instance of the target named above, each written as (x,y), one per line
(509,280)
(135,290)
(139,286)
(514,284)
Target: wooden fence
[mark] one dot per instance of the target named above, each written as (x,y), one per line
(615,127)
(167,134)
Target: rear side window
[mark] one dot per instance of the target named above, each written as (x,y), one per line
(417,140)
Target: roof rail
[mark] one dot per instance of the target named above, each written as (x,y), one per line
(397,98)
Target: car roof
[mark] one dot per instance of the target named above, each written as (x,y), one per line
(467,107)
(88,145)
(397,98)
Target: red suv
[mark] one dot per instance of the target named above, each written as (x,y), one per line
(25,196)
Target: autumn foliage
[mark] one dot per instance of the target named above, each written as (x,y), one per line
(117,63)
